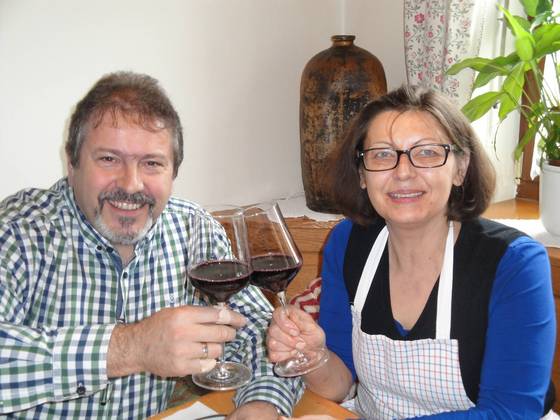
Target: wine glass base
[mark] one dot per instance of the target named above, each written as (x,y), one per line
(301,365)
(224,377)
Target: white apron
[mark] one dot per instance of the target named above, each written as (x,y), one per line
(400,379)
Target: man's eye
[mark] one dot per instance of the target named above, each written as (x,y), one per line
(107,159)
(153,164)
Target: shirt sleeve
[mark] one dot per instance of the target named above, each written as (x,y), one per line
(249,348)
(39,365)
(520,338)
(334,316)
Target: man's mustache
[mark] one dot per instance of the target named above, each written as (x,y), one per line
(121,195)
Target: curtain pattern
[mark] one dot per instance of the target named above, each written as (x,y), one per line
(438,33)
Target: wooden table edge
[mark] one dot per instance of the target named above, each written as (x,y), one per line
(310,403)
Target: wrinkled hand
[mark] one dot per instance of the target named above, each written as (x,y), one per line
(259,410)
(171,341)
(291,330)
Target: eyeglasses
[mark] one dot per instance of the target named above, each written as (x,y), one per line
(378,159)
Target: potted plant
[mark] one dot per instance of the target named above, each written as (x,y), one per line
(538,100)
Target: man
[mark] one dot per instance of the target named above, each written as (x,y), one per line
(94,309)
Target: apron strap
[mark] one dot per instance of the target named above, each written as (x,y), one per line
(370,268)
(445,289)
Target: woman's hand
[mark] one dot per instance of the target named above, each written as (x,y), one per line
(291,330)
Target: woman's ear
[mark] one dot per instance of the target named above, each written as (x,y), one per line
(362,178)
(462,167)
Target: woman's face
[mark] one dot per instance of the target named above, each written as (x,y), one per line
(406,195)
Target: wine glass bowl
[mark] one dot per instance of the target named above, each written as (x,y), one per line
(218,275)
(275,261)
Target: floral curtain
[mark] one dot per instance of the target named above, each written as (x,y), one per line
(438,33)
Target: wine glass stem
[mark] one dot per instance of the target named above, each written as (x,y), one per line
(300,357)
(222,372)
(282,297)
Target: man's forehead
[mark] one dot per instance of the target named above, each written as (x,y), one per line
(118,118)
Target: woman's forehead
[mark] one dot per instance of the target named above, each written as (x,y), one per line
(396,125)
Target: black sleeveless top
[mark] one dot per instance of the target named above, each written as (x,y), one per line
(478,250)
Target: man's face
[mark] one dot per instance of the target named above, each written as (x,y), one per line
(123,178)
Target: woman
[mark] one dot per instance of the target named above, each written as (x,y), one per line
(426,309)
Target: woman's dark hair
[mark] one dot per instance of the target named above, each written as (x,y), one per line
(465,202)
(136,97)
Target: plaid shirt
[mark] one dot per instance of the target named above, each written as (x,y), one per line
(63,288)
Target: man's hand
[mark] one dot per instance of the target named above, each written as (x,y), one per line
(259,410)
(172,342)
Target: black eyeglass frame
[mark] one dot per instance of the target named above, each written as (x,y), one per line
(447,147)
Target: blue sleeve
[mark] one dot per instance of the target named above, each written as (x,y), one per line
(520,338)
(335,317)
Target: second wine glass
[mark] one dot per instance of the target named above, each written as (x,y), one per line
(218,275)
(276,260)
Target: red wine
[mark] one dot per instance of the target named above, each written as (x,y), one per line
(219,280)
(274,272)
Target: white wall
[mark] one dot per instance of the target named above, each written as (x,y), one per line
(378,26)
(231,67)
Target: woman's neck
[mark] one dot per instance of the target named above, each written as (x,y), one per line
(412,248)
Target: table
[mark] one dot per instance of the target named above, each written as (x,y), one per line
(310,403)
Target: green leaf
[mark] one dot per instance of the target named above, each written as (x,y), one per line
(524,23)
(502,64)
(499,66)
(530,7)
(555,117)
(516,28)
(478,106)
(544,6)
(524,46)
(546,38)
(483,78)
(527,137)
(512,89)
(475,63)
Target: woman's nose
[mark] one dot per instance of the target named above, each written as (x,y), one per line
(404,166)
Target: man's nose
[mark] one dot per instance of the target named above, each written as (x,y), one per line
(131,179)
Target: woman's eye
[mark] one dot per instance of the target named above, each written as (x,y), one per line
(383,154)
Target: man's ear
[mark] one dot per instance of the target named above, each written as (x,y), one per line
(70,170)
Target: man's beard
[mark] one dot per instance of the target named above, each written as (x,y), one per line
(126,237)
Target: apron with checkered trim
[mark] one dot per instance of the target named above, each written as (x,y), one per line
(400,379)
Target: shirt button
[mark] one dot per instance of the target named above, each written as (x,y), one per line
(109,249)
(99,248)
(81,390)
(125,275)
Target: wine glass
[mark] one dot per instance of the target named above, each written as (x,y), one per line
(219,275)
(276,260)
